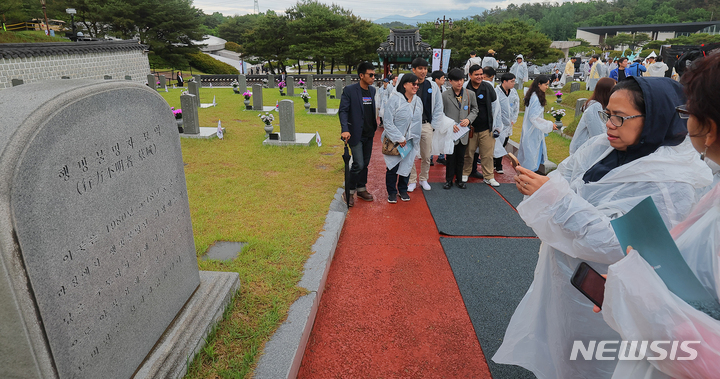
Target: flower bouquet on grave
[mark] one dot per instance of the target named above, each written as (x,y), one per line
(177,113)
(557,114)
(281,87)
(247,95)
(236,86)
(301,83)
(559,96)
(267,118)
(305,96)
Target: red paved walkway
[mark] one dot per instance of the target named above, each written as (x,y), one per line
(391,306)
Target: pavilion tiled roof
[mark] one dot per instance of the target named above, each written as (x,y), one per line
(27,50)
(404,42)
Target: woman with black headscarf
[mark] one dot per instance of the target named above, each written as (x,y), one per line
(644,153)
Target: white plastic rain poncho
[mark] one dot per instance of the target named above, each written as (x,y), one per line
(572,218)
(400,116)
(532,139)
(490,61)
(640,307)
(520,70)
(502,114)
(590,125)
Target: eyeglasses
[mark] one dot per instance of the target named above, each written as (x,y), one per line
(682,112)
(615,119)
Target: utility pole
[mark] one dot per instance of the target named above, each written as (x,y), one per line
(444,21)
(47,26)
(257,7)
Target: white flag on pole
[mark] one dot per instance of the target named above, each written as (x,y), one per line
(214,103)
(166,90)
(317,139)
(219,131)
(210,85)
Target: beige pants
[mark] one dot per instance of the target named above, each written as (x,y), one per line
(486,143)
(426,137)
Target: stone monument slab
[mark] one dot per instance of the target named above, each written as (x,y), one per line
(151,81)
(309,82)
(270,81)
(579,104)
(287,120)
(574,86)
(348,80)
(242,83)
(290,82)
(198,80)
(96,243)
(338,88)
(321,99)
(257,97)
(163,81)
(191,122)
(194,89)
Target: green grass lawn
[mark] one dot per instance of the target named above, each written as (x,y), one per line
(273,198)
(29,36)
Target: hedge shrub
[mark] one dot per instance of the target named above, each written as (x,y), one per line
(232,46)
(209,65)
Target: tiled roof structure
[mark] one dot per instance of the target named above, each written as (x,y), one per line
(404,42)
(27,50)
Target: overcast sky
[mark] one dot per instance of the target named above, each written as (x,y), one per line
(368,9)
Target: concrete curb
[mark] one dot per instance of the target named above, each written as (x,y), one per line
(284,352)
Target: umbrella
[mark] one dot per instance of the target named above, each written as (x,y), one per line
(346,158)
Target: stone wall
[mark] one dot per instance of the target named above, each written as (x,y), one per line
(33,62)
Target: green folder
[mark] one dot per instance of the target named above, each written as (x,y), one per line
(644,230)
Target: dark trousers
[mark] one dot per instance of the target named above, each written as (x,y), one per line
(392,177)
(361,153)
(498,161)
(454,163)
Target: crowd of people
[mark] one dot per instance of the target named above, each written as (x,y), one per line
(639,136)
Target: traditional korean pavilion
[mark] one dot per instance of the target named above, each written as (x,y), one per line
(401,47)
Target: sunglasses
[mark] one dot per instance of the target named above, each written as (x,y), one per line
(415,84)
(372,74)
(682,112)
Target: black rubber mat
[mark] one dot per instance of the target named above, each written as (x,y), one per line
(475,211)
(493,275)
(510,193)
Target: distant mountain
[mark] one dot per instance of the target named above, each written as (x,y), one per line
(432,16)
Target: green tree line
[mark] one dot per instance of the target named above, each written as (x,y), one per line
(559,21)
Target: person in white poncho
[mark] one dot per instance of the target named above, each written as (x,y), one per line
(532,151)
(403,123)
(644,153)
(507,113)
(590,124)
(520,70)
(637,303)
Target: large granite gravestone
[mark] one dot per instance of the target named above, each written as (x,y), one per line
(287,128)
(97,258)
(194,89)
(257,97)
(579,104)
(242,83)
(270,81)
(151,81)
(191,123)
(348,80)
(163,81)
(198,80)
(287,120)
(309,82)
(338,88)
(290,82)
(321,99)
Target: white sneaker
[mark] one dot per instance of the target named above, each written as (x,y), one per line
(492,182)
(465,178)
(424,184)
(411,187)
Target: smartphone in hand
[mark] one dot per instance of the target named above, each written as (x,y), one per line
(513,160)
(590,283)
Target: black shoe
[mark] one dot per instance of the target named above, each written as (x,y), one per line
(476,174)
(447,185)
(461,185)
(392,199)
(440,160)
(404,196)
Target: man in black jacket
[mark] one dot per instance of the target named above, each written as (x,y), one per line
(482,128)
(358,122)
